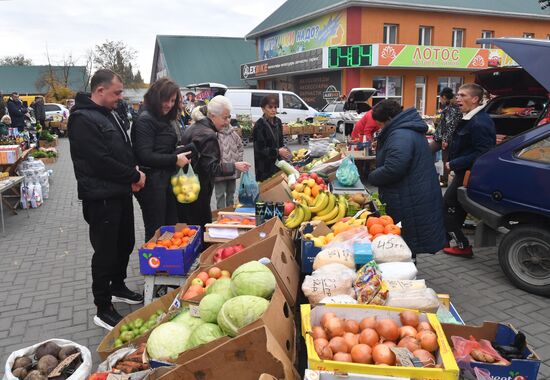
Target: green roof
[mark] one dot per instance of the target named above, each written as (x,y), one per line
(25,79)
(195,59)
(295,11)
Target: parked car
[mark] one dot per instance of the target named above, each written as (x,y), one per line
(356,105)
(56,109)
(519,99)
(508,187)
(335,114)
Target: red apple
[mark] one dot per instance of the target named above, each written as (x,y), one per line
(289,206)
(229,251)
(314,176)
(238,248)
(319,181)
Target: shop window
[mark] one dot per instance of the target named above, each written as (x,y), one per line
(458,37)
(390,34)
(425,35)
(257,98)
(452,82)
(487,34)
(528,35)
(539,151)
(389,87)
(292,102)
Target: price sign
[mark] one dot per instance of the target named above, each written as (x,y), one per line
(349,56)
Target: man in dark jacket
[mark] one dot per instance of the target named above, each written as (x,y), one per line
(474,135)
(17,112)
(2,105)
(39,110)
(406,177)
(106,174)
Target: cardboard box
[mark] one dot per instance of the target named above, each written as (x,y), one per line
(330,129)
(312,316)
(308,129)
(48,144)
(174,262)
(282,263)
(9,154)
(249,356)
(48,160)
(226,209)
(275,189)
(106,348)
(270,228)
(286,129)
(296,129)
(319,129)
(503,334)
(308,249)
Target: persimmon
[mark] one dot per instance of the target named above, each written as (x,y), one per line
(176,241)
(178,235)
(376,229)
(371,221)
(192,232)
(385,220)
(164,243)
(392,229)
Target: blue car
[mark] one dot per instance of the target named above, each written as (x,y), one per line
(509,187)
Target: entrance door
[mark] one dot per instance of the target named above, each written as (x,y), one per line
(420,95)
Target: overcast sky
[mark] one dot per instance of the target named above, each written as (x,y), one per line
(62,27)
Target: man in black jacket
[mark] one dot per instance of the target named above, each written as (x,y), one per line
(17,112)
(39,110)
(106,174)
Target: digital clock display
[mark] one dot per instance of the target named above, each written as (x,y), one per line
(349,56)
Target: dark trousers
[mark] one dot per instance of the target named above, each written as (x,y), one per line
(112,236)
(199,212)
(157,202)
(454,213)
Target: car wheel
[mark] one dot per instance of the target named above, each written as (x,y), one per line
(524,255)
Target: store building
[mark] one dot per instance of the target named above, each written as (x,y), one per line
(408,52)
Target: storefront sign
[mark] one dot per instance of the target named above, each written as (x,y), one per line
(288,64)
(324,31)
(319,89)
(349,56)
(441,57)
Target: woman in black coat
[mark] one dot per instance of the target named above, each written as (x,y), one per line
(268,139)
(154,140)
(204,135)
(406,177)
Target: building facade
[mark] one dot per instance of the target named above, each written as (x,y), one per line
(406,51)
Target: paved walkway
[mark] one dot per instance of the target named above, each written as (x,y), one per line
(45,277)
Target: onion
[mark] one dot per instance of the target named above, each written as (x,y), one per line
(407,331)
(342,357)
(368,323)
(427,359)
(334,327)
(424,326)
(361,353)
(319,344)
(338,344)
(369,336)
(325,318)
(428,341)
(318,332)
(387,329)
(351,326)
(383,355)
(351,339)
(326,353)
(409,343)
(390,343)
(409,318)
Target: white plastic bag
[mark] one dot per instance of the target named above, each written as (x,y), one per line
(110,362)
(398,271)
(334,256)
(331,280)
(319,147)
(419,299)
(81,373)
(340,299)
(390,248)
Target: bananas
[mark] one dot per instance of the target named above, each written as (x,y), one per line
(321,202)
(330,205)
(342,208)
(326,207)
(299,215)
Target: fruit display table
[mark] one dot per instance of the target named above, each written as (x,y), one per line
(9,185)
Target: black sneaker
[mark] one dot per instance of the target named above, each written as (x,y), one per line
(127,296)
(107,317)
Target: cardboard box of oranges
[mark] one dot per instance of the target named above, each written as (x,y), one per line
(172,250)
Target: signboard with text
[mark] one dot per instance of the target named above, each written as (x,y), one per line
(327,30)
(294,63)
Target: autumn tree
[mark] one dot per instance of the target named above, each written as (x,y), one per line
(117,56)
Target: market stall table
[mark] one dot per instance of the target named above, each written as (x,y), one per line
(9,184)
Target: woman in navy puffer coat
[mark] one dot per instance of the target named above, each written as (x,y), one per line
(406,177)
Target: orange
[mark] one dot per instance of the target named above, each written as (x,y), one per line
(385,220)
(372,221)
(164,243)
(178,235)
(149,245)
(392,229)
(192,232)
(176,241)
(315,191)
(173,246)
(376,229)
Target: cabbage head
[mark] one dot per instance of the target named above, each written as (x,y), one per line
(222,287)
(167,341)
(204,334)
(186,319)
(253,279)
(239,312)
(210,306)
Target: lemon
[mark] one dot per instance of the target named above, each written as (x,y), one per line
(182,180)
(191,197)
(181,198)
(176,190)
(196,187)
(174,180)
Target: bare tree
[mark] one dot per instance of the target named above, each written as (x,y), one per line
(117,56)
(56,78)
(15,60)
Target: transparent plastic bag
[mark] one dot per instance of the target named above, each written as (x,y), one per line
(248,190)
(186,185)
(466,350)
(347,174)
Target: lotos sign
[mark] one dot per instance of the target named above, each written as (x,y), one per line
(444,57)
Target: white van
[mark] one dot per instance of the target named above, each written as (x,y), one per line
(291,106)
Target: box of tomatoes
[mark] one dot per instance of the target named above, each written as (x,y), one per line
(172,250)
(377,340)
